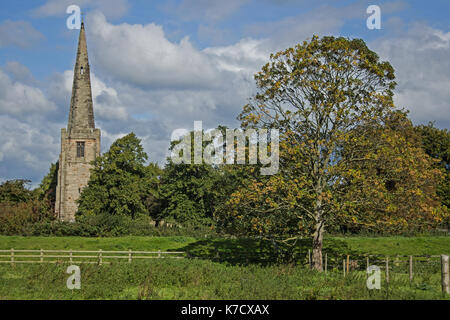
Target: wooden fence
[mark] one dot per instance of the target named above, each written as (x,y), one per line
(390,262)
(13,256)
(100,257)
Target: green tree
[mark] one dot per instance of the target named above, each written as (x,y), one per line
(193,193)
(315,94)
(46,191)
(120,182)
(19,207)
(15,191)
(187,191)
(436,143)
(387,181)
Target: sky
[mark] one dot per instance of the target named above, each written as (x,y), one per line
(157,66)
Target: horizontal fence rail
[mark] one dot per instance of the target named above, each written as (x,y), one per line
(13,256)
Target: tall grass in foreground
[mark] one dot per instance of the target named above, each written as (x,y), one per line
(202,279)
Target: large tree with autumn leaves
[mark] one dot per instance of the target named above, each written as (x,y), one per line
(318,94)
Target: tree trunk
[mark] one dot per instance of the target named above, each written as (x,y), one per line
(317,260)
(317,247)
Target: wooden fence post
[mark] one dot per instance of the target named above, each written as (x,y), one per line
(159,253)
(70,254)
(129,255)
(348,263)
(367,262)
(326,262)
(12,256)
(321,260)
(343,266)
(445,274)
(387,269)
(42,256)
(410,269)
(100,260)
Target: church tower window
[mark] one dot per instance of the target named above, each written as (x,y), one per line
(80,149)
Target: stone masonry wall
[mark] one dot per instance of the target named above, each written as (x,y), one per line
(75,172)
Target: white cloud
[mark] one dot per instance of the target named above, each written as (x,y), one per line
(19,72)
(29,136)
(27,147)
(174,83)
(18,33)
(248,55)
(420,58)
(17,98)
(143,56)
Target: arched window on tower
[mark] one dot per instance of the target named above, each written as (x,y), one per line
(82,70)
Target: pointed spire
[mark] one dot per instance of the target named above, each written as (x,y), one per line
(81,114)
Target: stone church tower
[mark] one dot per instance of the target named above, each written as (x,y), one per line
(80,142)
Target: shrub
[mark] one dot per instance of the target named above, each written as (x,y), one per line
(16,218)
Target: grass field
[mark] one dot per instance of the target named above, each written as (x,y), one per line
(79,243)
(427,245)
(231,277)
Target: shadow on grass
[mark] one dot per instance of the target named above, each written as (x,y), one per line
(247,251)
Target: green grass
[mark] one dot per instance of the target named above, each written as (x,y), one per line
(225,272)
(79,243)
(203,279)
(431,245)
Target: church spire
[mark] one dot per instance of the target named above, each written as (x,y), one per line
(80,142)
(81,116)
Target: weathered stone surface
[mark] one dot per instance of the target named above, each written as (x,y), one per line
(74,171)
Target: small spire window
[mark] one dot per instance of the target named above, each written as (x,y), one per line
(82,70)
